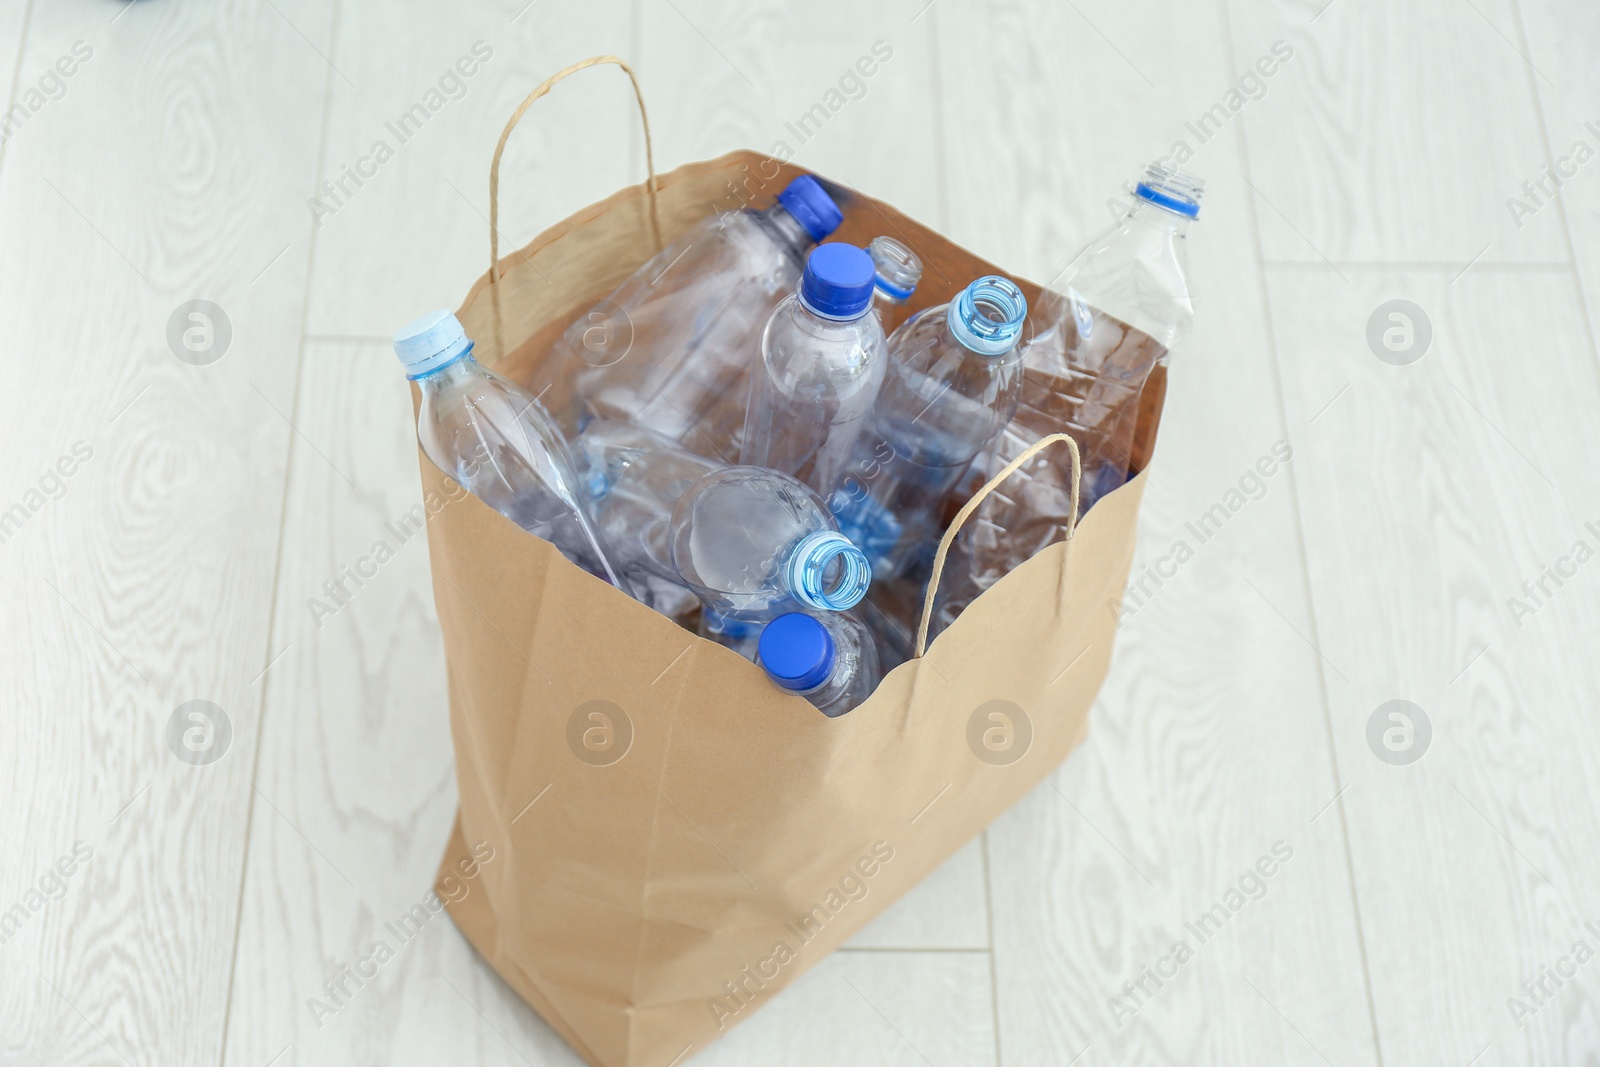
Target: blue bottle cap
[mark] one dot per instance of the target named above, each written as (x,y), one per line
(838,282)
(796,651)
(432,342)
(806,571)
(809,202)
(987,315)
(1172,189)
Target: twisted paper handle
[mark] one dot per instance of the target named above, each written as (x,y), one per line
(972,505)
(499,149)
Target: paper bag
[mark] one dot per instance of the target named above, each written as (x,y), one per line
(674,839)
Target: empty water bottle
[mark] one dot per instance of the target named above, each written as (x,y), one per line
(635,476)
(955,373)
(754,543)
(671,348)
(897,270)
(494,438)
(822,363)
(1121,304)
(829,659)
(751,544)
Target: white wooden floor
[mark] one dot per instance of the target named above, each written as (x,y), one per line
(175,562)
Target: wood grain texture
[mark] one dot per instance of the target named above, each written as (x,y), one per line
(1209,742)
(1440,487)
(1381,562)
(168,170)
(416,234)
(1394,134)
(1559,36)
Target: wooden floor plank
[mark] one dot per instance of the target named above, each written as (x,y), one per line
(168,170)
(1432,492)
(1395,133)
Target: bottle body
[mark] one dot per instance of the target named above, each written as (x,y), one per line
(822,363)
(955,375)
(1124,301)
(671,349)
(494,438)
(754,543)
(635,477)
(830,659)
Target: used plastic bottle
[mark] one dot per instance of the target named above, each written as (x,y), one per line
(671,349)
(751,544)
(897,270)
(635,476)
(830,659)
(1122,304)
(822,363)
(955,373)
(494,438)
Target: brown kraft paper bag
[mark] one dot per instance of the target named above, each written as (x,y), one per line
(674,839)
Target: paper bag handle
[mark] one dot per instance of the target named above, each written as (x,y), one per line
(499,149)
(972,505)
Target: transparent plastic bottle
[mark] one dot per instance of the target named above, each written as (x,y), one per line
(495,439)
(829,659)
(748,543)
(1120,306)
(671,349)
(635,476)
(955,373)
(754,543)
(897,270)
(822,363)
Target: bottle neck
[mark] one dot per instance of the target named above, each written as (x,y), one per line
(458,371)
(786,229)
(1148,216)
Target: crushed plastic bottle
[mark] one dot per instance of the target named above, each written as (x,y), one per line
(1120,305)
(671,348)
(749,543)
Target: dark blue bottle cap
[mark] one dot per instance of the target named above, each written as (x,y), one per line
(838,281)
(808,201)
(796,651)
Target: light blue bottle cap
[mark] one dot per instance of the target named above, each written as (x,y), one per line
(431,343)
(810,204)
(987,315)
(796,651)
(838,282)
(807,571)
